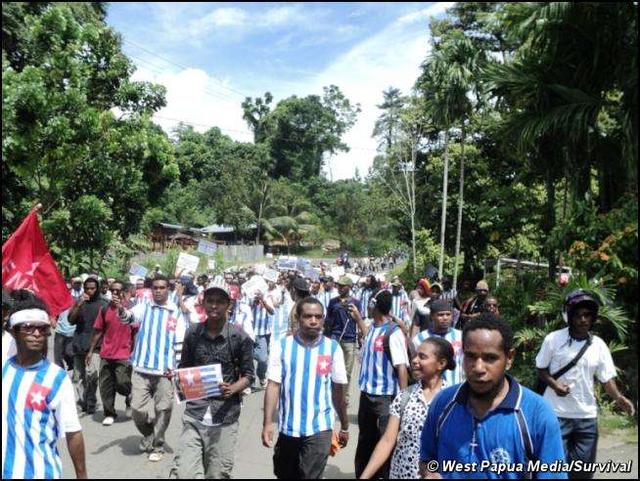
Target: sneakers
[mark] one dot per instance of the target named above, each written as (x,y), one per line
(108,421)
(155,456)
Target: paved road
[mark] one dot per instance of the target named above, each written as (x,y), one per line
(112,452)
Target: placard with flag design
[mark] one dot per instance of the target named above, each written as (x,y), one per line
(199,382)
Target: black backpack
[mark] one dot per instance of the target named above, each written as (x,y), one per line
(411,351)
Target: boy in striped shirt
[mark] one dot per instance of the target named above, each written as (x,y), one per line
(441,320)
(380,376)
(262,326)
(38,403)
(161,329)
(306,376)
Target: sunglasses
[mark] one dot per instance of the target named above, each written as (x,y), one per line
(43,329)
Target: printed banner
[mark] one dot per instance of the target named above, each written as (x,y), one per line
(198,382)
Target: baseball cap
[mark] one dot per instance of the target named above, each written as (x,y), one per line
(440,305)
(396,282)
(301,285)
(482,285)
(217,290)
(345,281)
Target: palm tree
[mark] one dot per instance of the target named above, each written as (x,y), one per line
(447,81)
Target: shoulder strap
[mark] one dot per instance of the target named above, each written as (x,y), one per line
(575,360)
(526,439)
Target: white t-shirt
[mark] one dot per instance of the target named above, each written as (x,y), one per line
(556,352)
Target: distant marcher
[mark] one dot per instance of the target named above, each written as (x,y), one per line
(491,305)
(85,374)
(441,326)
(305,366)
(299,290)
(38,404)
(473,307)
(408,412)
(63,341)
(117,344)
(342,327)
(572,394)
(263,312)
(448,291)
(400,306)
(490,417)
(419,312)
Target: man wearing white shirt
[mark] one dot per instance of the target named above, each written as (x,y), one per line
(572,395)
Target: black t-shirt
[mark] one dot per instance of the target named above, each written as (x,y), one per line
(84,324)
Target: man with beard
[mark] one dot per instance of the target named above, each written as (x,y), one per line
(473,307)
(490,417)
(210,425)
(85,370)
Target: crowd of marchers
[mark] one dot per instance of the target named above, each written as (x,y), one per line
(431,365)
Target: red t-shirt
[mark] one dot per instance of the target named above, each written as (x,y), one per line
(117,337)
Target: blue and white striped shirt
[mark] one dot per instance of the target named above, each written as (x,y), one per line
(281,318)
(262,320)
(161,330)
(454,336)
(242,318)
(377,374)
(305,375)
(38,407)
(399,305)
(325,298)
(365,296)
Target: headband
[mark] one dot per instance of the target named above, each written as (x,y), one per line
(29,315)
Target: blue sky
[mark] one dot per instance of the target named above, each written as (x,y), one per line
(211,55)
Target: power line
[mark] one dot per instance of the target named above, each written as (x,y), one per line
(241,131)
(237,92)
(158,70)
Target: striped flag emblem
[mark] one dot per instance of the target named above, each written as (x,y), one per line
(199,382)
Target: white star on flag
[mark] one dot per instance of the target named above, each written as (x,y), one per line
(37,398)
(189,378)
(323,365)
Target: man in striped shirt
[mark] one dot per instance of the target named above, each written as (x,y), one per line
(307,375)
(263,312)
(441,320)
(38,403)
(160,327)
(400,303)
(380,376)
(370,286)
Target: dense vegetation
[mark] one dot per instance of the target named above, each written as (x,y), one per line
(523,124)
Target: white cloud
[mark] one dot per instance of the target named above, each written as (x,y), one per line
(391,57)
(195,98)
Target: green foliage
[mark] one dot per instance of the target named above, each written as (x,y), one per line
(63,76)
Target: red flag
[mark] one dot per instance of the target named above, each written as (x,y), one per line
(27,263)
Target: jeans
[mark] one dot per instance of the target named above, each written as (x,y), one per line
(261,355)
(205,451)
(301,458)
(580,439)
(373,416)
(152,392)
(115,376)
